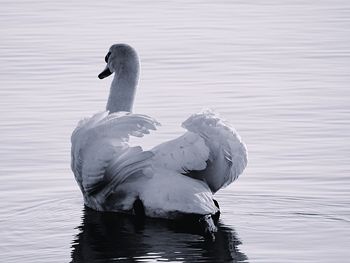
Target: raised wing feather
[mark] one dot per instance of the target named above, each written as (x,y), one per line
(186,153)
(211,151)
(101,156)
(228,154)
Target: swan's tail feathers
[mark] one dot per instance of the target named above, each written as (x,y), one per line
(228,154)
(100,150)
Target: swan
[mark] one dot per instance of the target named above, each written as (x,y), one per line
(174,179)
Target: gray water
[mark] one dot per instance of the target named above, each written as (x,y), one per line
(277,70)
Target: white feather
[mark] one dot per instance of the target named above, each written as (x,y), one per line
(228,154)
(183,154)
(101,157)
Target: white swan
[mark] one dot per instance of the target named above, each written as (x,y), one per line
(175,178)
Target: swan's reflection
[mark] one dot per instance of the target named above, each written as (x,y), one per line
(106,237)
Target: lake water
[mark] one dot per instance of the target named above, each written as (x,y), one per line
(277,70)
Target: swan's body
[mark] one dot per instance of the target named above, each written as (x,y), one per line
(174,178)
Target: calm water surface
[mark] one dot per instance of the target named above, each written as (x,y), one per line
(277,70)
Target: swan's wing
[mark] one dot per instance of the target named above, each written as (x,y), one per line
(211,151)
(228,154)
(183,154)
(101,157)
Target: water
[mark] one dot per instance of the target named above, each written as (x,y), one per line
(278,71)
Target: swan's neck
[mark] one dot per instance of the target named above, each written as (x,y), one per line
(122,92)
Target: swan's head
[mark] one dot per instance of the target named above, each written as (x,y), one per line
(120,57)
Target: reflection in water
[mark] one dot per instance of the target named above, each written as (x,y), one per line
(106,237)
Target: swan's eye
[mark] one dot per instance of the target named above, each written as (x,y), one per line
(107,57)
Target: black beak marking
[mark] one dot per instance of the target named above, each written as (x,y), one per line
(107,57)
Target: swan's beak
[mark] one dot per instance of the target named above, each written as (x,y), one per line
(105,73)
